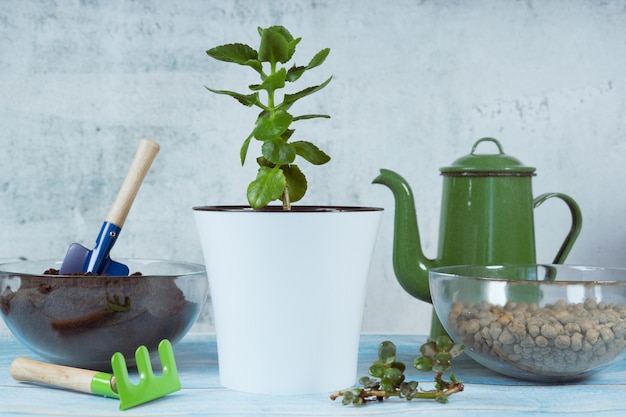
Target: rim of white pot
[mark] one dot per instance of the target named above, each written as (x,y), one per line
(294,209)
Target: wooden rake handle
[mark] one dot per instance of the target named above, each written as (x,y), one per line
(147,150)
(82,380)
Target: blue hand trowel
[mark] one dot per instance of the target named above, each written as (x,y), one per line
(78,258)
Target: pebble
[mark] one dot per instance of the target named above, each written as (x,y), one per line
(546,340)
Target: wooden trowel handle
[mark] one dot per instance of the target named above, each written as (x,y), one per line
(28,370)
(146,152)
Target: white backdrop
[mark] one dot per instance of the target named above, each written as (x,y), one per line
(415,84)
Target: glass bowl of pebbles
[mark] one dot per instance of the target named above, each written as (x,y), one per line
(548,323)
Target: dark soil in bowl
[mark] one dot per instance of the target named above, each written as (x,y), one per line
(83,321)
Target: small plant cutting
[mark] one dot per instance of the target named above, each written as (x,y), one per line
(387,377)
(278,178)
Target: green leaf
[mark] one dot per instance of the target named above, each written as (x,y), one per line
(348,396)
(444,343)
(387,352)
(440,367)
(457,349)
(237,53)
(272,82)
(296,181)
(267,187)
(365,380)
(277,45)
(423,364)
(296,72)
(444,357)
(368,382)
(244,149)
(311,116)
(287,134)
(387,385)
(245,99)
(398,365)
(318,59)
(269,126)
(278,152)
(264,162)
(310,152)
(377,370)
(405,391)
(289,99)
(395,375)
(429,349)
(409,390)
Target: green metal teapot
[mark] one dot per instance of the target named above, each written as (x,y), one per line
(486,219)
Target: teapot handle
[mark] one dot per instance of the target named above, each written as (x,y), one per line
(577,222)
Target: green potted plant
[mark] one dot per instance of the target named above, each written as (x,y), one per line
(287,282)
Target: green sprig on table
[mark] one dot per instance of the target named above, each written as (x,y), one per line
(387,379)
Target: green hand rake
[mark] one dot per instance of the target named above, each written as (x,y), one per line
(118,385)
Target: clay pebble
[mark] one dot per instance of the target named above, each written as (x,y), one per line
(550,340)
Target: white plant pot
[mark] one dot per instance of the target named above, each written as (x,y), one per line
(288,292)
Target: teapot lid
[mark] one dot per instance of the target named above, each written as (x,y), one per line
(499,164)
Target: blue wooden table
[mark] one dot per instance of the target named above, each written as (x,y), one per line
(486,393)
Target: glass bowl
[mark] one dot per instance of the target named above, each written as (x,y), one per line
(546,323)
(82,320)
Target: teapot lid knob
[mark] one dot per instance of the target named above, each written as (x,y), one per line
(493,140)
(476,164)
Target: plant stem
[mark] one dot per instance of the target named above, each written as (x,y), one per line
(270,93)
(456,387)
(286,199)
(369,394)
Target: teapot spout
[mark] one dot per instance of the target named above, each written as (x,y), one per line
(409,263)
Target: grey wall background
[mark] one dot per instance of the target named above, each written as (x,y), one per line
(415,84)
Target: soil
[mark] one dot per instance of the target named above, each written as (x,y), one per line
(82,322)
